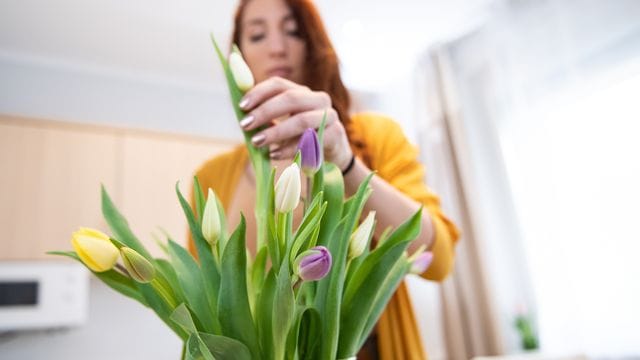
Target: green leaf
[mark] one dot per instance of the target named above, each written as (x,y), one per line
(310,334)
(210,271)
(328,296)
(200,202)
(321,128)
(224,235)
(182,316)
(119,226)
(393,280)
(330,179)
(330,290)
(192,283)
(197,349)
(258,269)
(259,156)
(224,348)
(164,267)
(235,92)
(207,346)
(234,311)
(406,232)
(310,222)
(297,158)
(356,312)
(354,264)
(272,238)
(283,310)
(264,314)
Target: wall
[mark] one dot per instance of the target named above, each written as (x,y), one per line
(57,89)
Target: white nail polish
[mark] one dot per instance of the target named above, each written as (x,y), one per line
(257,139)
(247,121)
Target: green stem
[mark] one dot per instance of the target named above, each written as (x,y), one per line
(216,255)
(261,167)
(282,234)
(308,199)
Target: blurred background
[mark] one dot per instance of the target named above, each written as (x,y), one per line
(527,114)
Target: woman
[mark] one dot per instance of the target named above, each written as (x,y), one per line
(296,70)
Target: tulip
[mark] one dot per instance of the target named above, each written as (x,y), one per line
(139,268)
(313,264)
(421,262)
(360,237)
(240,71)
(211,219)
(310,152)
(94,249)
(287,191)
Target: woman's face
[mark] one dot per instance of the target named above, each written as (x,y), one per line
(271,44)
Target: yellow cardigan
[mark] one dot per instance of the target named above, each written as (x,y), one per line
(380,143)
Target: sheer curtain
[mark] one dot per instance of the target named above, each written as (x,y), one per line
(532,129)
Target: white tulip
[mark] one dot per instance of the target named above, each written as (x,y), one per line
(241,72)
(360,237)
(211,219)
(288,189)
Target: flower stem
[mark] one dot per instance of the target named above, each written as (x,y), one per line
(308,199)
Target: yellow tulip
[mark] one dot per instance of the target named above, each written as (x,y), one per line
(94,249)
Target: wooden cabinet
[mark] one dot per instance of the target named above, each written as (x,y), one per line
(51,173)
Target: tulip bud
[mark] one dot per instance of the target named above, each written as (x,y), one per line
(421,262)
(139,268)
(313,264)
(360,237)
(211,219)
(287,191)
(240,71)
(310,152)
(94,249)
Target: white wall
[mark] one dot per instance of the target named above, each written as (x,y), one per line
(63,90)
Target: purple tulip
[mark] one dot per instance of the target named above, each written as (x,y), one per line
(310,151)
(313,264)
(421,263)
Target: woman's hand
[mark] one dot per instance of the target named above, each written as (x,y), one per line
(289,109)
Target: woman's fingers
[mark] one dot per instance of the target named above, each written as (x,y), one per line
(284,151)
(291,128)
(265,90)
(291,101)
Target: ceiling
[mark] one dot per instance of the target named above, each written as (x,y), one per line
(168,41)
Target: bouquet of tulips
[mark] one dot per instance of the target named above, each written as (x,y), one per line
(314,292)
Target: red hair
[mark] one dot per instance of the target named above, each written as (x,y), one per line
(322,72)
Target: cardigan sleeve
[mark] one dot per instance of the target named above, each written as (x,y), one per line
(396,160)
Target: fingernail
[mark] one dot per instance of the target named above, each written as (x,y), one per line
(244,103)
(258,139)
(275,155)
(247,121)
